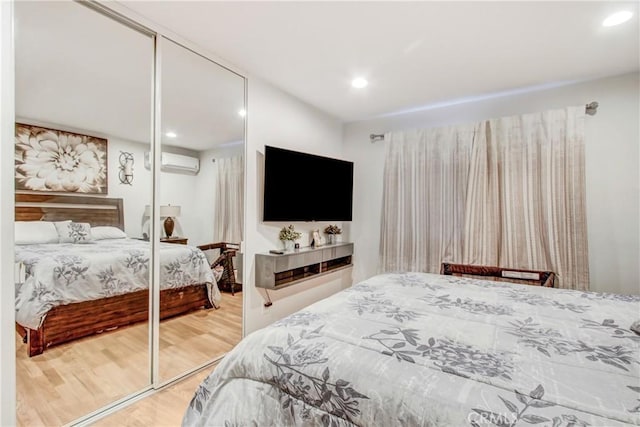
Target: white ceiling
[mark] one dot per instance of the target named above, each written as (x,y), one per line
(94,74)
(200,100)
(85,83)
(414,54)
(80,71)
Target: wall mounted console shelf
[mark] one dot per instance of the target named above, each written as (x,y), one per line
(275,271)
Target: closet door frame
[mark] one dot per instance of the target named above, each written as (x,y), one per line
(7,216)
(158,34)
(161,41)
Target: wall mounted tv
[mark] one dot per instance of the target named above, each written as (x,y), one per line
(304,187)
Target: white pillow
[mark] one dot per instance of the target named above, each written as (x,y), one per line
(105,232)
(35,232)
(73,232)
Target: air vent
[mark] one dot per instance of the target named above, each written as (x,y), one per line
(170,162)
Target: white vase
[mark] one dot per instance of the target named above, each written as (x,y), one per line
(331,239)
(288,245)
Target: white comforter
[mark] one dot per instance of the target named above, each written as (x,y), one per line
(65,273)
(428,350)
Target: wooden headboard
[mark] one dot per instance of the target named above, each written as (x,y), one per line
(94,210)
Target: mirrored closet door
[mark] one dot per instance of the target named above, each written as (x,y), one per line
(83,112)
(201,194)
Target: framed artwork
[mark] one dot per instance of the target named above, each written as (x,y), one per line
(317,239)
(54,160)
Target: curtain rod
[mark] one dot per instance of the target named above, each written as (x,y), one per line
(590,109)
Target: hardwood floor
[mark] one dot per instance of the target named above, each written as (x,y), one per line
(164,408)
(73,379)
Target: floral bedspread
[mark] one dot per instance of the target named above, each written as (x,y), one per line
(64,273)
(428,350)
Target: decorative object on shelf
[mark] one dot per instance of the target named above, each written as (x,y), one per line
(169,212)
(54,160)
(288,235)
(126,168)
(317,239)
(333,231)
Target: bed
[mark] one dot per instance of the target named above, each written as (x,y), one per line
(74,290)
(421,349)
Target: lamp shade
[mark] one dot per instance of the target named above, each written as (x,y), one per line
(169,211)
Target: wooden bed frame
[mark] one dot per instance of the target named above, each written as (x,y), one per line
(501,274)
(72,321)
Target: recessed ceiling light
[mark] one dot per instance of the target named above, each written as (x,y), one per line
(171,134)
(242,112)
(617,18)
(359,83)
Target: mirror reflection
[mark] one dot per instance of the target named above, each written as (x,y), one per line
(201,197)
(83,107)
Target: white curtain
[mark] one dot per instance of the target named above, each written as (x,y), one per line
(229,200)
(506,192)
(425,186)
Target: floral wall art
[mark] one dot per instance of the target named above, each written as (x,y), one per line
(55,160)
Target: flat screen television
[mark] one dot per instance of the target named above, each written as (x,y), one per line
(304,187)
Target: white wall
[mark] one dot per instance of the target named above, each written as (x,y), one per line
(179,189)
(278,119)
(175,189)
(135,196)
(612,163)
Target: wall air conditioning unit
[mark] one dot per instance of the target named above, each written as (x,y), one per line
(179,163)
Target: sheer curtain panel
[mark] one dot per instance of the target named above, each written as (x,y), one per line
(229,200)
(508,192)
(424,194)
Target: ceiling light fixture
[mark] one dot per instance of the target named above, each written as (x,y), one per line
(359,83)
(242,112)
(617,18)
(171,134)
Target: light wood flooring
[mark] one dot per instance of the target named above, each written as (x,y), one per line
(164,408)
(71,380)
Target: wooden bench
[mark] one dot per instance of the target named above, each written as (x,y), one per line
(501,274)
(227,280)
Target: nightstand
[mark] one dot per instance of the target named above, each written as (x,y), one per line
(175,240)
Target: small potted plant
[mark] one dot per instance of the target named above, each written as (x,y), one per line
(332,231)
(289,235)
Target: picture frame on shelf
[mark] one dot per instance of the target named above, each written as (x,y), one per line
(317,239)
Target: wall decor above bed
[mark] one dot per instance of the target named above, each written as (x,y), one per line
(60,161)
